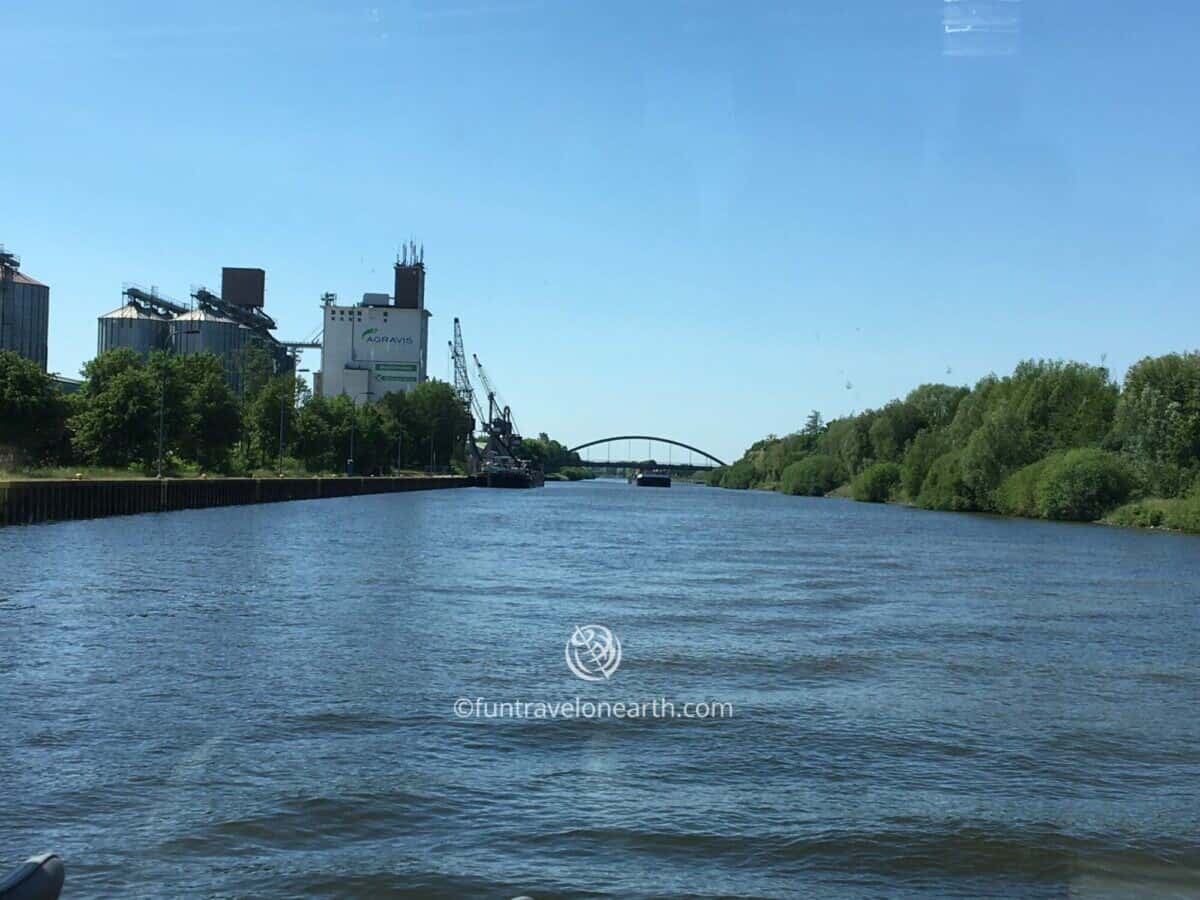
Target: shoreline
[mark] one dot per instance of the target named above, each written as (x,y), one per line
(1108,520)
(33,501)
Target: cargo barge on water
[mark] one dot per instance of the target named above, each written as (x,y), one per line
(651,478)
(506,472)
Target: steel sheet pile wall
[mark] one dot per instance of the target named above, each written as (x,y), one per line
(28,502)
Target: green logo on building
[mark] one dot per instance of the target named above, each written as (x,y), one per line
(372,336)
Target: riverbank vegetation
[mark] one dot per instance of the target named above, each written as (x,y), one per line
(571,473)
(1054,440)
(554,458)
(114,424)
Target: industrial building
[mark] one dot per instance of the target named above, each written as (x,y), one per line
(24,311)
(142,323)
(206,330)
(381,345)
(375,347)
(222,325)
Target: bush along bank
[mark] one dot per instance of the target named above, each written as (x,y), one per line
(1053,440)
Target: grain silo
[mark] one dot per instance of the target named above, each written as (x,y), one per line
(24,311)
(204,331)
(141,330)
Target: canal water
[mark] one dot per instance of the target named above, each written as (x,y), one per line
(261,701)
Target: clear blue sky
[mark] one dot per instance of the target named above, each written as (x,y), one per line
(686,219)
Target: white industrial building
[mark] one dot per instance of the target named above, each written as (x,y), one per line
(379,346)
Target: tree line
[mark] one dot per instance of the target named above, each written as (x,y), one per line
(129,405)
(554,458)
(1055,440)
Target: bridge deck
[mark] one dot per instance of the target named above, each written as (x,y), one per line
(645,464)
(648,437)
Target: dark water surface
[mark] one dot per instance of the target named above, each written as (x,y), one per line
(258,701)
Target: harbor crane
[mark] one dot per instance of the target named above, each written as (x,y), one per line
(500,422)
(466,393)
(497,461)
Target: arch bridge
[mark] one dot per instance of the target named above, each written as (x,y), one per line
(611,463)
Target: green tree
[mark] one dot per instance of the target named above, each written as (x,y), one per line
(373,452)
(576,473)
(400,428)
(972,408)
(849,441)
(33,411)
(209,420)
(944,487)
(814,425)
(428,423)
(876,483)
(116,414)
(1043,407)
(322,433)
(1017,495)
(739,476)
(441,422)
(922,451)
(813,476)
(1157,422)
(1062,404)
(892,429)
(934,405)
(276,399)
(995,448)
(1029,443)
(1081,485)
(256,369)
(551,455)
(127,402)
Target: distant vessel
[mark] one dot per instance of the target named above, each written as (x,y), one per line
(507,472)
(651,478)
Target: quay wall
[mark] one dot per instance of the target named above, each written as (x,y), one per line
(55,500)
